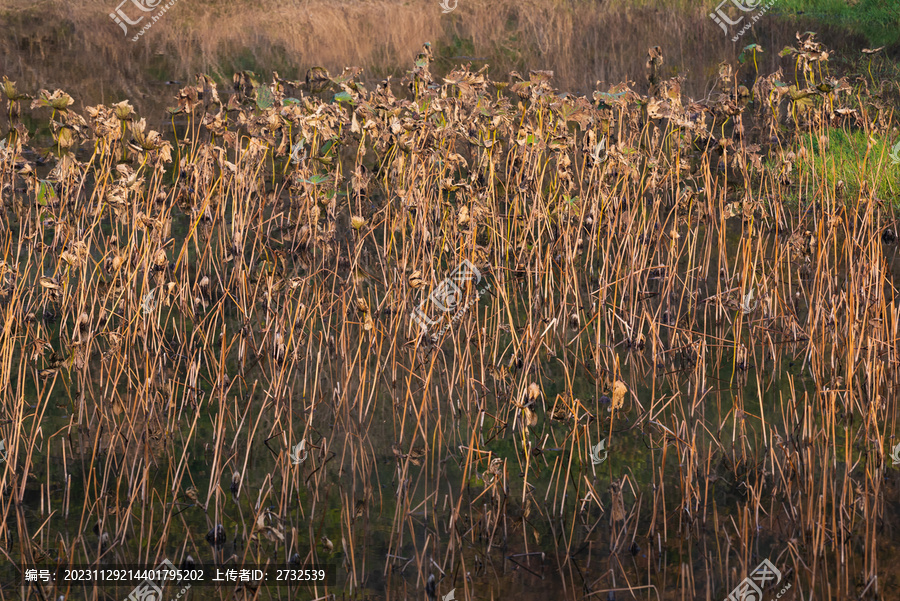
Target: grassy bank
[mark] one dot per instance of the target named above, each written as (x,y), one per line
(877,20)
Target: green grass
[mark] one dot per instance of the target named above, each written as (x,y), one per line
(847,159)
(877,20)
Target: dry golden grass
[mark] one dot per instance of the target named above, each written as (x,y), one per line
(77,47)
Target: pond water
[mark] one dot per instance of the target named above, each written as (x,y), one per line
(636,395)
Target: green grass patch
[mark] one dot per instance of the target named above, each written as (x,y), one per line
(855,159)
(877,20)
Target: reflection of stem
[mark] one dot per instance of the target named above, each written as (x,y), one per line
(756,73)
(177,145)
